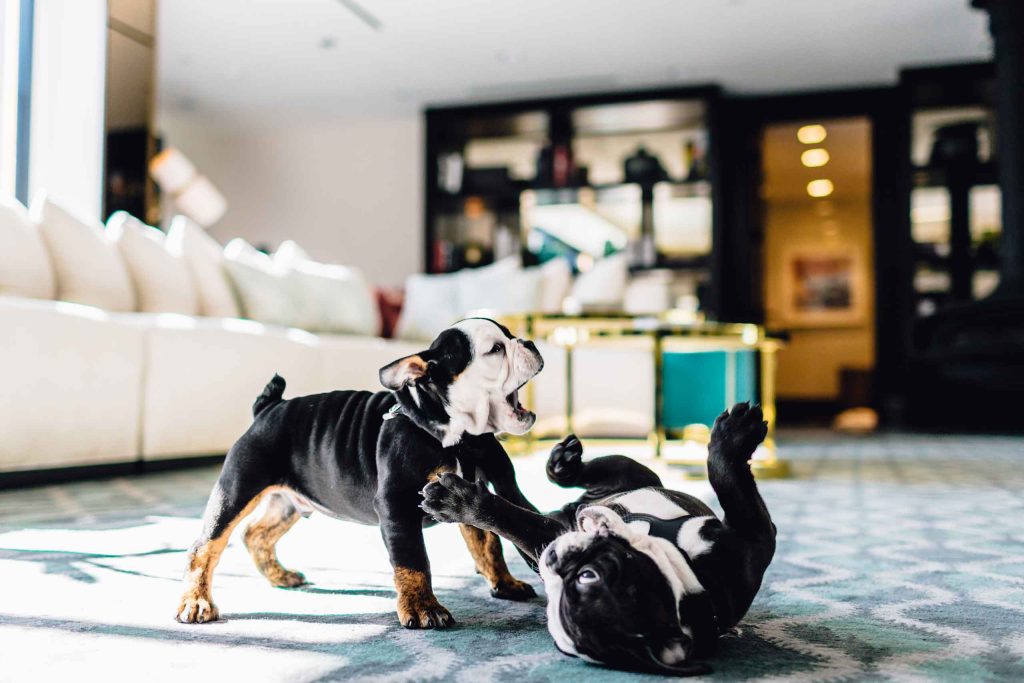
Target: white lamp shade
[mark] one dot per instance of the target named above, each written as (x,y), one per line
(201,202)
(172,170)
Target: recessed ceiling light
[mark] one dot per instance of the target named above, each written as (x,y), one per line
(813,158)
(820,188)
(811,135)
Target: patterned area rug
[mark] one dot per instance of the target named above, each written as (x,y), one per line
(900,558)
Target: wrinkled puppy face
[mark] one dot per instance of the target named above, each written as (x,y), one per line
(468,381)
(609,604)
(501,365)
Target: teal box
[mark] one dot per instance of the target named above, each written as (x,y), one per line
(698,386)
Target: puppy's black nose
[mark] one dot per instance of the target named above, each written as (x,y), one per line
(530,345)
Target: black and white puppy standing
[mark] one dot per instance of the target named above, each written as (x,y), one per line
(638,576)
(364,457)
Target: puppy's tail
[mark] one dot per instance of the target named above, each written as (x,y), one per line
(271,395)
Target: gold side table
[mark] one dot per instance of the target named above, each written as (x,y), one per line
(668,332)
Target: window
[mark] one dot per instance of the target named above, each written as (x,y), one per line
(8,93)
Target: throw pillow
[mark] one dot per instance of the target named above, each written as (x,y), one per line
(556,283)
(162,280)
(205,262)
(264,292)
(89,267)
(25,267)
(604,285)
(431,305)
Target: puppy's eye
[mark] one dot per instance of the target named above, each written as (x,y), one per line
(587,576)
(497,348)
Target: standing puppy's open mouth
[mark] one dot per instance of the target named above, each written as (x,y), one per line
(517,407)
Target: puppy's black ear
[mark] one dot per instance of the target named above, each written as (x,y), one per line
(405,371)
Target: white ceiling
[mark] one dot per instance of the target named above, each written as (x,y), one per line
(256,61)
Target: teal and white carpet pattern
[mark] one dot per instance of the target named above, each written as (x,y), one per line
(900,558)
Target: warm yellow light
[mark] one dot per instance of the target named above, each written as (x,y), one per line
(820,188)
(813,158)
(811,135)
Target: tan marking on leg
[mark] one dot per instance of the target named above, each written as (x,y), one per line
(485,547)
(433,476)
(262,536)
(196,605)
(417,606)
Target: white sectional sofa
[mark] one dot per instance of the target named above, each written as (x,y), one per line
(121,346)
(88,387)
(91,382)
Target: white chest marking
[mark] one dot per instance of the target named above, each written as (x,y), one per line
(650,502)
(689,538)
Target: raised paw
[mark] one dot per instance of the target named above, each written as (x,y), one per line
(453,499)
(738,432)
(566,461)
(513,589)
(424,614)
(194,609)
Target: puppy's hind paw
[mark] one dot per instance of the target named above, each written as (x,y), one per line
(566,461)
(737,432)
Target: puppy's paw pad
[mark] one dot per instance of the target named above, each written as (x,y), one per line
(513,589)
(739,431)
(452,499)
(600,520)
(196,610)
(566,461)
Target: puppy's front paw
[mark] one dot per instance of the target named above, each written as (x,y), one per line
(427,613)
(196,609)
(738,432)
(513,589)
(453,499)
(566,461)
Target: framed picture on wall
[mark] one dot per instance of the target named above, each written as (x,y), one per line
(824,287)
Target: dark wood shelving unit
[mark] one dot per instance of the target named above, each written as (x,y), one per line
(567,123)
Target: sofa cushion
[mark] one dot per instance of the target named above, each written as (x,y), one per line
(203,375)
(353,362)
(25,268)
(88,265)
(162,280)
(205,262)
(72,385)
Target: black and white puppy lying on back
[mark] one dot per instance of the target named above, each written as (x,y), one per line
(638,576)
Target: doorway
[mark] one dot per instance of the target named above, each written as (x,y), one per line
(818,275)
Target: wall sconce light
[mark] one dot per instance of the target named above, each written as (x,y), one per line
(814,158)
(812,134)
(820,188)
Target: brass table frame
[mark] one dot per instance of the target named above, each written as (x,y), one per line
(569,331)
